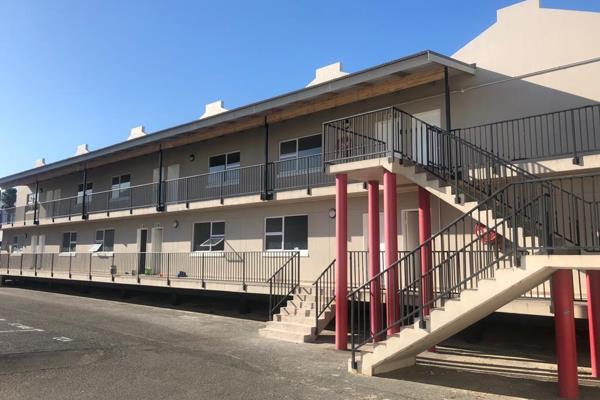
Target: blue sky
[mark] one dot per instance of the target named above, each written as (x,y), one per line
(75,72)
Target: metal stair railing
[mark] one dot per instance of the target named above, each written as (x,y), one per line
(283,283)
(463,256)
(324,287)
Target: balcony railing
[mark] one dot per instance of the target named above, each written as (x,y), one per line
(298,173)
(564,133)
(246,267)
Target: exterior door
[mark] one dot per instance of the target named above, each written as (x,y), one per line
(142,246)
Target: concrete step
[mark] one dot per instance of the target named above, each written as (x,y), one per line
(297,304)
(305,297)
(287,336)
(292,327)
(304,319)
(303,312)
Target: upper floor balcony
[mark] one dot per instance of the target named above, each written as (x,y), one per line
(237,185)
(552,142)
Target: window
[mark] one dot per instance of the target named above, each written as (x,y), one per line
(228,165)
(31,199)
(120,186)
(88,192)
(106,239)
(300,154)
(209,236)
(69,242)
(286,233)
(17,244)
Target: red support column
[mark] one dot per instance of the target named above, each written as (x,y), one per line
(374,267)
(390,218)
(593,311)
(424,235)
(341,251)
(564,325)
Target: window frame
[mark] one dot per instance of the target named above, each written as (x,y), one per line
(18,247)
(71,242)
(88,192)
(193,249)
(96,241)
(30,200)
(234,179)
(289,159)
(120,189)
(303,252)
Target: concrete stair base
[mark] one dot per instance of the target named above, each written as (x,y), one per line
(296,321)
(400,350)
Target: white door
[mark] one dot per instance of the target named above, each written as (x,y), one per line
(173,185)
(411,229)
(156,241)
(34,244)
(41,243)
(424,142)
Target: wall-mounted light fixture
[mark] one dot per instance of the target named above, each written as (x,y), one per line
(331,213)
(192,157)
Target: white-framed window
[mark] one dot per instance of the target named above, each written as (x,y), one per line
(300,154)
(106,239)
(88,192)
(17,244)
(31,199)
(224,168)
(286,233)
(69,242)
(120,186)
(209,236)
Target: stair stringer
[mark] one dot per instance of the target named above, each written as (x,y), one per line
(401,349)
(445,192)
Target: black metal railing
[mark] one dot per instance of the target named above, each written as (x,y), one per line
(16,216)
(215,185)
(324,288)
(299,173)
(246,267)
(542,217)
(566,133)
(284,282)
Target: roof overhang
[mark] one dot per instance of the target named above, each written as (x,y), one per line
(406,72)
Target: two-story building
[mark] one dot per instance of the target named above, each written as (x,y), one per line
(244,200)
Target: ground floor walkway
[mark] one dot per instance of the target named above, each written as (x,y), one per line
(65,344)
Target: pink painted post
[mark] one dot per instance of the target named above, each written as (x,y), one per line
(564,325)
(593,311)
(424,235)
(374,267)
(341,249)
(390,218)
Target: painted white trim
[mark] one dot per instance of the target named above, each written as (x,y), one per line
(296,139)
(224,154)
(207,222)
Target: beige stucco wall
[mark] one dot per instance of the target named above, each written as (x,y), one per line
(528,39)
(244,228)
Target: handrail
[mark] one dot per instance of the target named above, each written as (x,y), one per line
(324,287)
(245,267)
(541,219)
(573,131)
(284,282)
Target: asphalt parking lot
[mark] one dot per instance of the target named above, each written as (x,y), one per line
(64,345)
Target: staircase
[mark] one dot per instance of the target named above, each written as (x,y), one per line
(463,277)
(299,320)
